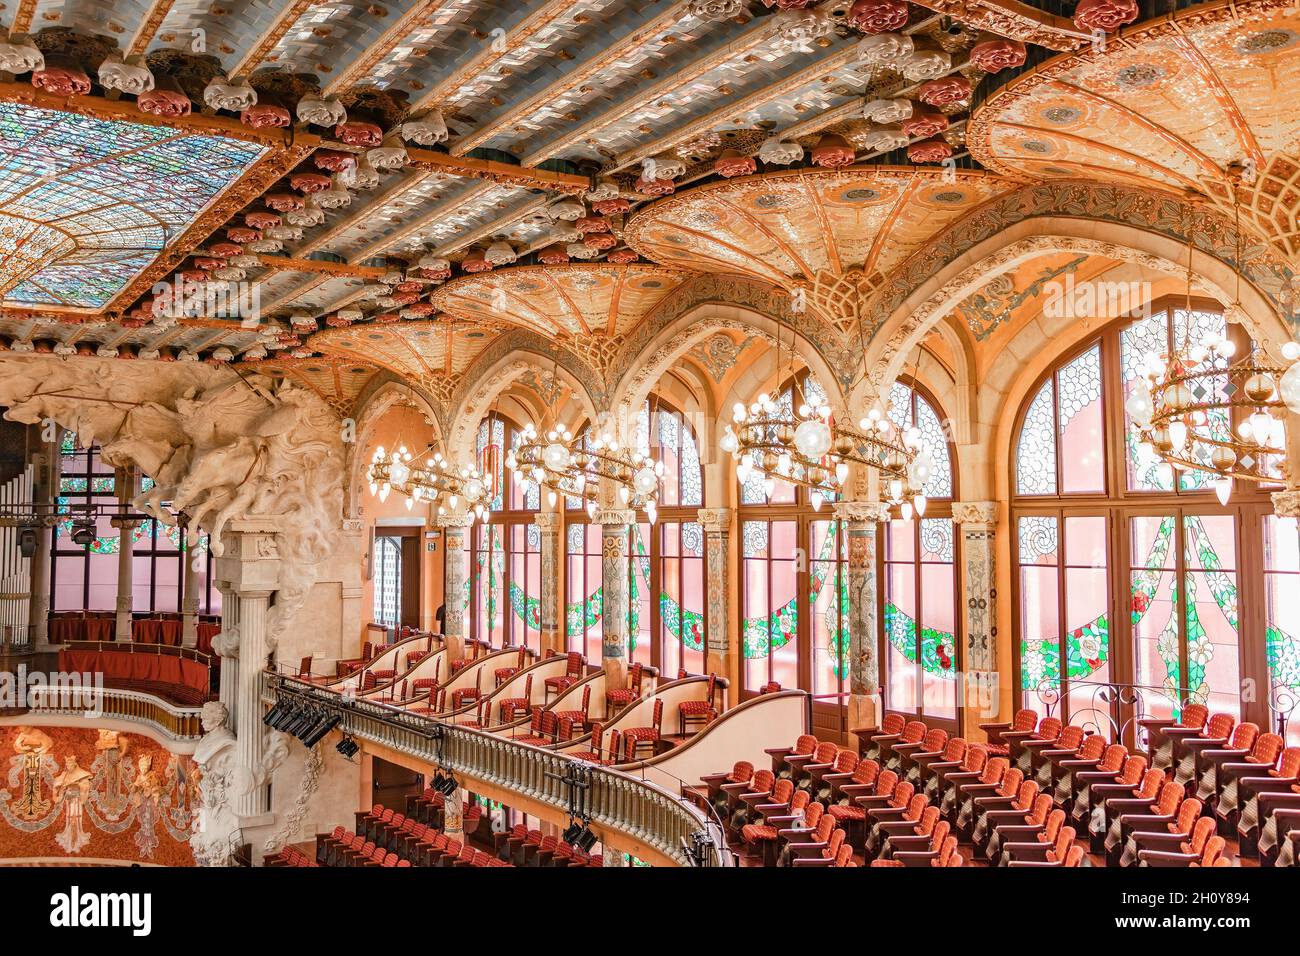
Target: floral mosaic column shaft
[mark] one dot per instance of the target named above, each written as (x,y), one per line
(614,614)
(455,529)
(978,522)
(861,520)
(548,527)
(716,522)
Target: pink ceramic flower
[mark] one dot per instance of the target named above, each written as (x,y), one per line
(164,103)
(1108,15)
(878,16)
(359,133)
(924,122)
(732,163)
(997,54)
(833,151)
(945,90)
(929,151)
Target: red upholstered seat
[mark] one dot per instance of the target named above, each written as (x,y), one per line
(578,717)
(702,711)
(636,737)
(510,705)
(573,670)
(622,696)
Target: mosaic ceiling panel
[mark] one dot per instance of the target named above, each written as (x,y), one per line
(117,193)
(1171,105)
(418,351)
(793,226)
(579,299)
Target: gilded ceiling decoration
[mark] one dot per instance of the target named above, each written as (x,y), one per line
(1174,104)
(358,171)
(336,379)
(587,307)
(832,233)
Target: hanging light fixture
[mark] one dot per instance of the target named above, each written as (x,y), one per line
(434,480)
(563,464)
(1199,410)
(803,445)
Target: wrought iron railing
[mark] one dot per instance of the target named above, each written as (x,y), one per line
(1117,710)
(649,814)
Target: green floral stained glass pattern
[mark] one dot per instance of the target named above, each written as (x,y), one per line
(938,648)
(760,634)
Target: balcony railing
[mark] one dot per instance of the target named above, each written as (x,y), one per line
(649,814)
(179,723)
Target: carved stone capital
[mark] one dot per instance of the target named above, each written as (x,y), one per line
(714,520)
(455,520)
(615,517)
(548,522)
(1286,504)
(974,512)
(866,511)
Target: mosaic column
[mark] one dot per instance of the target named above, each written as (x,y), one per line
(548,527)
(861,520)
(455,530)
(978,523)
(716,523)
(614,591)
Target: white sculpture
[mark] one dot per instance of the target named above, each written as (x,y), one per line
(215,836)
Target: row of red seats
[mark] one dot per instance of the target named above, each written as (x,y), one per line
(524,847)
(288,856)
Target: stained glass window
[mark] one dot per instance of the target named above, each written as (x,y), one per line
(770,626)
(672,440)
(920,617)
(681,597)
(119,193)
(908,408)
(1153,567)
(1282,622)
(388,581)
(1036,449)
(505,573)
(84,578)
(584,603)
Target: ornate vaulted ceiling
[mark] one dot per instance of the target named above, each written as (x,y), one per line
(1170,105)
(327,165)
(810,228)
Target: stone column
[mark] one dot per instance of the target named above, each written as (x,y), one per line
(46,466)
(251,565)
(125,577)
(124,485)
(190,598)
(548,526)
(861,520)
(978,522)
(455,528)
(720,657)
(615,525)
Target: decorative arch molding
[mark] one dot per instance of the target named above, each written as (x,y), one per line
(380,396)
(765,306)
(662,350)
(940,292)
(509,358)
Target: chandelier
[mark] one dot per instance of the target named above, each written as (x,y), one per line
(436,481)
(1201,411)
(568,465)
(1185,408)
(804,446)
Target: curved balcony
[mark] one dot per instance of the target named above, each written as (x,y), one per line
(663,826)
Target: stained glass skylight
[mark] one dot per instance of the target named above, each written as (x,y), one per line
(118,192)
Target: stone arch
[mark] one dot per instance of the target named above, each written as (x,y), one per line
(489,378)
(662,350)
(923,308)
(381,395)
